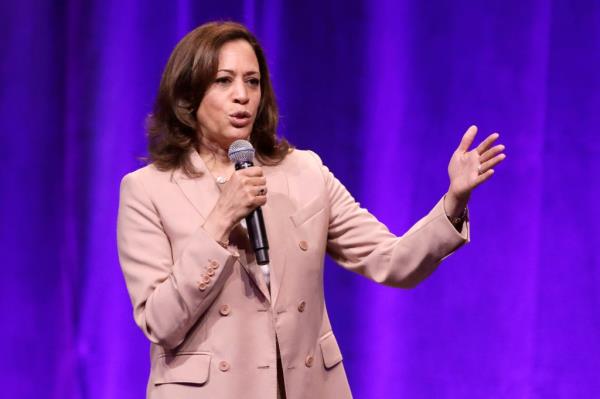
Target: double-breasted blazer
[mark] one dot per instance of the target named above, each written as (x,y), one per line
(207,311)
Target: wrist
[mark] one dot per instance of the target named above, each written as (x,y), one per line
(455,206)
(219,227)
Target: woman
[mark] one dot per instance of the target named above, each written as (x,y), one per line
(221,326)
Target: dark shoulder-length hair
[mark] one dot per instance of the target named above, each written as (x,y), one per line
(191,69)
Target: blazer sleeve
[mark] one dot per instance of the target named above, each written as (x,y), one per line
(167,296)
(360,243)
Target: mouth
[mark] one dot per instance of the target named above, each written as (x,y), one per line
(240,118)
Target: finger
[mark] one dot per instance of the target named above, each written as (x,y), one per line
(491,153)
(260,200)
(255,181)
(255,191)
(261,191)
(252,171)
(487,143)
(492,162)
(467,139)
(483,177)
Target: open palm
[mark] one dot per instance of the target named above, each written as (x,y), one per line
(468,169)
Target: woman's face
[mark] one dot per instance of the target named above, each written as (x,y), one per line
(228,109)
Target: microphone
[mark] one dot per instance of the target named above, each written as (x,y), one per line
(241,153)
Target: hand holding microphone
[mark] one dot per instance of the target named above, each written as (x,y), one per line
(245,191)
(242,196)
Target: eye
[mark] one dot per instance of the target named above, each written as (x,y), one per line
(254,81)
(223,80)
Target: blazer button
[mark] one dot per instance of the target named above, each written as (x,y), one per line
(303,245)
(210,272)
(223,366)
(205,279)
(301,306)
(202,286)
(225,310)
(214,264)
(309,361)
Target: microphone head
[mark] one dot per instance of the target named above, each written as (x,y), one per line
(241,151)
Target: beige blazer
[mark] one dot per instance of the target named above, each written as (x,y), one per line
(207,311)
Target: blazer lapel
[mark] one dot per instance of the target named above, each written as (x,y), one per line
(275,214)
(277,199)
(201,191)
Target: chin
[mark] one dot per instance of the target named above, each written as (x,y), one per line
(239,134)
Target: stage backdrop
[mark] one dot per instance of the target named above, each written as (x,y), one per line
(385,86)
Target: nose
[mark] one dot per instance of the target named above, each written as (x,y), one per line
(240,95)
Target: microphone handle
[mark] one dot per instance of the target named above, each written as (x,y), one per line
(258,236)
(256,228)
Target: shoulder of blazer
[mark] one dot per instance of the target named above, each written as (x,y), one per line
(151,172)
(297,155)
(305,160)
(150,175)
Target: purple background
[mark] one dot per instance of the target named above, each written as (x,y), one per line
(383,91)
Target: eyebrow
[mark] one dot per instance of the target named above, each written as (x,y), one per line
(233,73)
